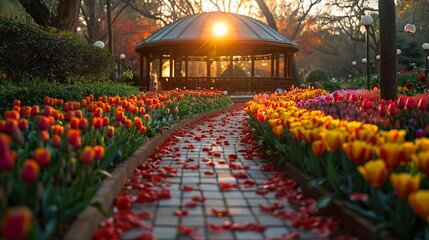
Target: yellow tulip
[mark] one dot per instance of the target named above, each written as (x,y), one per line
(421,159)
(419,203)
(422,144)
(405,184)
(394,135)
(391,153)
(317,147)
(311,135)
(358,151)
(374,172)
(332,140)
(278,130)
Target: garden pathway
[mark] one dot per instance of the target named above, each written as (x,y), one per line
(209,181)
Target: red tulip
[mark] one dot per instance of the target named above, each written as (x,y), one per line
(88,155)
(23,124)
(56,141)
(16,223)
(74,138)
(44,123)
(30,171)
(99,152)
(110,131)
(42,156)
(35,110)
(7,160)
(422,104)
(83,124)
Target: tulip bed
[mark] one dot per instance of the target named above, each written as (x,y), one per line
(372,153)
(54,157)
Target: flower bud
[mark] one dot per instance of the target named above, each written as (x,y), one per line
(88,155)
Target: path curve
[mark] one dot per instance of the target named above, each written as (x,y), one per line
(209,181)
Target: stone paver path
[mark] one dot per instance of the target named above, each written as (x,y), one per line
(209,181)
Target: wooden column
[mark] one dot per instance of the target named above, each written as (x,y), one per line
(252,68)
(272,65)
(277,64)
(171,65)
(208,67)
(141,83)
(186,67)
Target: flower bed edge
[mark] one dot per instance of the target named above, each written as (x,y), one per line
(88,220)
(354,223)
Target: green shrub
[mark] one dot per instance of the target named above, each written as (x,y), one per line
(316,75)
(32,92)
(27,51)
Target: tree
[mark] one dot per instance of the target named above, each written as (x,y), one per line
(65,18)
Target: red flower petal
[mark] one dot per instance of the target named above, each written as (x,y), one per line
(181,213)
(220,213)
(359,197)
(198,198)
(208,173)
(189,188)
(191,204)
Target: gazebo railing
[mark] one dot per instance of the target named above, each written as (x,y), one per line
(230,84)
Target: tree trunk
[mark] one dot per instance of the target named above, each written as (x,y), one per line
(388,56)
(267,13)
(40,13)
(68,14)
(67,18)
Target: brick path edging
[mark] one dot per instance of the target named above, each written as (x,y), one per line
(88,220)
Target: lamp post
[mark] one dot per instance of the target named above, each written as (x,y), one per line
(367,21)
(425,46)
(398,52)
(121,64)
(377,66)
(354,65)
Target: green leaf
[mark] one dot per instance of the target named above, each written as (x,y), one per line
(316,182)
(324,201)
(103,172)
(100,208)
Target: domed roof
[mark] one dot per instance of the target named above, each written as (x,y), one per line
(198,29)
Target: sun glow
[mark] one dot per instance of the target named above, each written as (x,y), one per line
(220,29)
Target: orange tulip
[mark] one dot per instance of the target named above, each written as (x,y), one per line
(35,110)
(10,126)
(146,117)
(74,138)
(419,203)
(128,123)
(83,124)
(56,141)
(12,114)
(105,121)
(42,156)
(138,122)
(23,124)
(44,123)
(143,129)
(405,184)
(74,122)
(16,102)
(98,112)
(16,223)
(48,111)
(78,114)
(421,159)
(358,151)
(374,172)
(30,171)
(43,136)
(110,131)
(97,122)
(317,147)
(88,155)
(57,129)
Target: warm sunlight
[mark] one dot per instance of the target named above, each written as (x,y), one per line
(220,29)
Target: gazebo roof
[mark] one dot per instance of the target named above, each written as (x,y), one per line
(195,34)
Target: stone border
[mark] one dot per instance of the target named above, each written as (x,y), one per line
(89,219)
(354,223)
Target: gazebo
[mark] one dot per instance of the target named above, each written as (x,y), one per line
(216,50)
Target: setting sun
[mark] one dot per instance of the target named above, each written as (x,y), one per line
(220,29)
